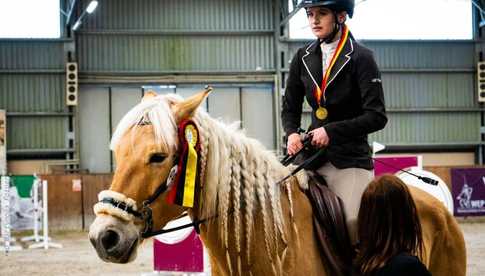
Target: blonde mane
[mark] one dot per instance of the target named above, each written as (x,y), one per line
(155,110)
(238,174)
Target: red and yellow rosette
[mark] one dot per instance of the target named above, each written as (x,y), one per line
(183,191)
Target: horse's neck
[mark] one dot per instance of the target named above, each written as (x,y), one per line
(285,254)
(254,219)
(231,164)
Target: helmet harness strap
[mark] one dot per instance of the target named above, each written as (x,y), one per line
(337,27)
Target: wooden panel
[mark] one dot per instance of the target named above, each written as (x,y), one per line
(64,205)
(442,172)
(92,185)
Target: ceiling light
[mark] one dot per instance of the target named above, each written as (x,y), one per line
(92,6)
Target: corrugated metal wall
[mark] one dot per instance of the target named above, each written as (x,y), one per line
(101,108)
(429,85)
(155,36)
(32,92)
(429,89)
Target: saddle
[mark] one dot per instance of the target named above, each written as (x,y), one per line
(330,226)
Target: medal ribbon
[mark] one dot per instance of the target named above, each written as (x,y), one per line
(343,39)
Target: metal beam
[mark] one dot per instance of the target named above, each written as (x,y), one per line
(161,73)
(32,71)
(39,114)
(434,110)
(420,70)
(134,32)
(289,16)
(38,151)
(34,40)
(188,77)
(426,110)
(428,70)
(70,12)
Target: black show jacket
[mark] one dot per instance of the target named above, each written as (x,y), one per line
(354,100)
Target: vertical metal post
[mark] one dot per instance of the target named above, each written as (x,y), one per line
(36,209)
(277,87)
(46,243)
(477,34)
(45,227)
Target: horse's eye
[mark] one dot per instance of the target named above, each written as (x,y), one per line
(157,158)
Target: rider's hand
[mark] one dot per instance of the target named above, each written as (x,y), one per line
(319,137)
(294,143)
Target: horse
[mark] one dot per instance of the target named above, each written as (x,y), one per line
(254,225)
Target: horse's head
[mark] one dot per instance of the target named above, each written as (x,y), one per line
(145,149)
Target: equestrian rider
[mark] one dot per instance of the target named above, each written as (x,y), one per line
(341,82)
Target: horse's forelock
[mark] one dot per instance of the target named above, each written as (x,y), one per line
(155,111)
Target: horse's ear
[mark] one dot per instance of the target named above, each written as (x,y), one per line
(186,108)
(150,94)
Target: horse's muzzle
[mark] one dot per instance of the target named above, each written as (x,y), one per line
(113,240)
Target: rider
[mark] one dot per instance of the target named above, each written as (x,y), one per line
(342,84)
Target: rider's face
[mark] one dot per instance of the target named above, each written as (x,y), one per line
(322,20)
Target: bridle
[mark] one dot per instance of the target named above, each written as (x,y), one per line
(146,213)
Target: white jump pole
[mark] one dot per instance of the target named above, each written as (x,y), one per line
(5,217)
(37,210)
(45,229)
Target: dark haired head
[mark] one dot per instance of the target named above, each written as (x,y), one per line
(388,224)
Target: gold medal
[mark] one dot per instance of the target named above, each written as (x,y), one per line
(321,113)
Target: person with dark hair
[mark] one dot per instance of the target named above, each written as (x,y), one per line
(341,82)
(389,230)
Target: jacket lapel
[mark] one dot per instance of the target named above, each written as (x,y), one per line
(312,61)
(342,59)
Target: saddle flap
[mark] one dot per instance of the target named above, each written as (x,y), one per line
(330,226)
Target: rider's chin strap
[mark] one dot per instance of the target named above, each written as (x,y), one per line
(337,27)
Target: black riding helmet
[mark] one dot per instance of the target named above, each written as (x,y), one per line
(334,5)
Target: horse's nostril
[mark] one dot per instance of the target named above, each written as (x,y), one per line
(110,239)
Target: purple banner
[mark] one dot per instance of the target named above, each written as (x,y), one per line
(468,191)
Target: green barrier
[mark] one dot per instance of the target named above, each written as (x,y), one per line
(23,183)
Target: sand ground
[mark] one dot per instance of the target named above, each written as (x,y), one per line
(78,258)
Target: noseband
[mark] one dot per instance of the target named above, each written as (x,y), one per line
(122,206)
(125,208)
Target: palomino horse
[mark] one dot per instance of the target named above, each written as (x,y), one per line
(257,227)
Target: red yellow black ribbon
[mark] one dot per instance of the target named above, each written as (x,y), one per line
(183,190)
